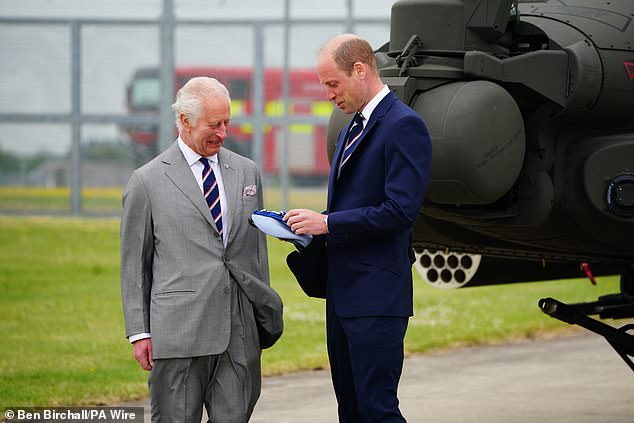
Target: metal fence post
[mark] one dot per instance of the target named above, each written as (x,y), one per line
(349,18)
(167,75)
(78,118)
(284,173)
(75,120)
(258,99)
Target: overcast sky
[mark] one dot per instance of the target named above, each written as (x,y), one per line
(35,65)
(230,9)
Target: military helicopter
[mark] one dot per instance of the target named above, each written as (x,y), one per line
(530,106)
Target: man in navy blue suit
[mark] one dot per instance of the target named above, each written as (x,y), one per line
(378,180)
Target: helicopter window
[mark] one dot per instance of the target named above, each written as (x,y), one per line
(528,43)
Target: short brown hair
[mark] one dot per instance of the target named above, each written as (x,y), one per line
(353,50)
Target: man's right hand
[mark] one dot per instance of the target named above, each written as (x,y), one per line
(143,353)
(304,221)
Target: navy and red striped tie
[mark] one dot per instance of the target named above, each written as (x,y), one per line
(212,193)
(353,135)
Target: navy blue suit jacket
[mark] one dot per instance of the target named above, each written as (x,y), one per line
(372,206)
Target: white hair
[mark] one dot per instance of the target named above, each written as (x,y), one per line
(189,98)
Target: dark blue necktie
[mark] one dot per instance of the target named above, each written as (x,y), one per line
(353,135)
(212,193)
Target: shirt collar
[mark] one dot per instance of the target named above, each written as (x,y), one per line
(369,108)
(190,155)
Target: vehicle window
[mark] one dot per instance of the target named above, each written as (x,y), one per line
(239,89)
(146,92)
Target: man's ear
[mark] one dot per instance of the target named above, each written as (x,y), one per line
(359,70)
(184,120)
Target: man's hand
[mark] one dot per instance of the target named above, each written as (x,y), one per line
(303,221)
(143,353)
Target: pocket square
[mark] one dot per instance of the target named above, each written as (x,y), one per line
(249,191)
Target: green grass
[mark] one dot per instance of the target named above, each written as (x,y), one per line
(107,201)
(62,325)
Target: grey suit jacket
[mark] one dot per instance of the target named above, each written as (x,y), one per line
(176,272)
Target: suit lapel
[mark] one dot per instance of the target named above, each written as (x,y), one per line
(378,113)
(336,159)
(366,130)
(380,110)
(178,171)
(232,187)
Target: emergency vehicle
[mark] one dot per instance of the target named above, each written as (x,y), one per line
(307,155)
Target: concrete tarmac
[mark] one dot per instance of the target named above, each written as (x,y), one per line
(576,378)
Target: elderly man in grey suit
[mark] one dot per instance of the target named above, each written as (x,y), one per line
(197,300)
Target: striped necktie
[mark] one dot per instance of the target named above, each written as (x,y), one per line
(353,135)
(212,193)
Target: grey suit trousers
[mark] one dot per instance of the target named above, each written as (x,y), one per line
(227,384)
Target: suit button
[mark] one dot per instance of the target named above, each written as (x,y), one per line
(226,290)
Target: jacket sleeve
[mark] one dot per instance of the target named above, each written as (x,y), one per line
(263,256)
(406,172)
(137,250)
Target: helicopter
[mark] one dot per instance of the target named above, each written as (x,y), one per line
(530,108)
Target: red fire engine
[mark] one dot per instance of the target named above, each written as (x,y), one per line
(306,142)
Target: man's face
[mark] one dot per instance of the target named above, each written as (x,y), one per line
(346,91)
(210,131)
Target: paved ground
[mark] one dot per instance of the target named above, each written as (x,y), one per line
(567,379)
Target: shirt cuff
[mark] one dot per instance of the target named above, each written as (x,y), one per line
(138,337)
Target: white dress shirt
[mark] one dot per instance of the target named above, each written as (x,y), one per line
(365,114)
(369,108)
(196,167)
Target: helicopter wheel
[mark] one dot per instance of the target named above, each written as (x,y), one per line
(446,270)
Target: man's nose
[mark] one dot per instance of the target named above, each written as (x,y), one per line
(222,131)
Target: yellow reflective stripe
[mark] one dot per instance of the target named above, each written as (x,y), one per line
(297,128)
(274,108)
(238,107)
(322,108)
(246,128)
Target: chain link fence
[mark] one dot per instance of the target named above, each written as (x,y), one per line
(86,89)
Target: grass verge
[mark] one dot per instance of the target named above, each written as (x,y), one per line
(62,325)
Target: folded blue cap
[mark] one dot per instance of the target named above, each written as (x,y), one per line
(272,223)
